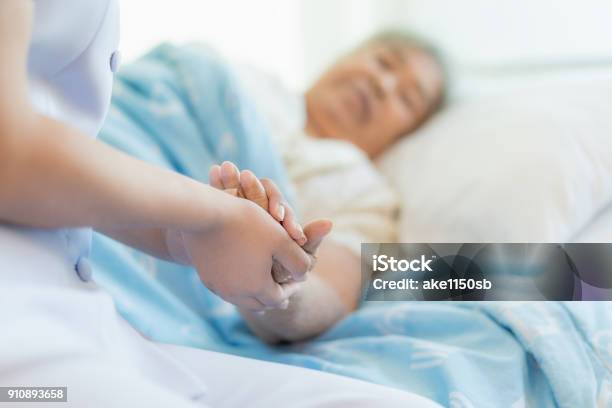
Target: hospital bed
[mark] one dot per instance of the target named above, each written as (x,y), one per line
(458,354)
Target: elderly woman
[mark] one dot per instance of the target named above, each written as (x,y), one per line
(326,138)
(358,108)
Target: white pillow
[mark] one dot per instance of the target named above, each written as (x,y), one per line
(527,166)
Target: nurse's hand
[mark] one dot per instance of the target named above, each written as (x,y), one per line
(234,258)
(265,193)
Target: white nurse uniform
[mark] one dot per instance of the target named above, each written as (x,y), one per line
(57,328)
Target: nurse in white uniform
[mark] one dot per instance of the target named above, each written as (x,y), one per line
(57,328)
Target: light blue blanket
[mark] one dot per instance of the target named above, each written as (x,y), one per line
(182,108)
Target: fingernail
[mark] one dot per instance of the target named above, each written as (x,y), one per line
(260,313)
(280,212)
(284,305)
(303,238)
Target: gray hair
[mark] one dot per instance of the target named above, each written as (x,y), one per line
(408,39)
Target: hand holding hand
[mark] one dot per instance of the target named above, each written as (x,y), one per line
(267,195)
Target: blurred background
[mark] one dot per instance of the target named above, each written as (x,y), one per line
(297,38)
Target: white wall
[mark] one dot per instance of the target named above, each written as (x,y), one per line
(332,27)
(267,33)
(475,33)
(482,32)
(296,38)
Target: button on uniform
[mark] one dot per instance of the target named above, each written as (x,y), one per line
(84,270)
(115,61)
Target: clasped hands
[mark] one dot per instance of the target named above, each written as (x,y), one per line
(257,255)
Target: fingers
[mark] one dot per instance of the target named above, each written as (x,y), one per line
(280,274)
(248,303)
(264,193)
(273,296)
(225,177)
(316,231)
(282,212)
(276,201)
(253,189)
(291,289)
(230,176)
(277,296)
(294,259)
(293,227)
(214,177)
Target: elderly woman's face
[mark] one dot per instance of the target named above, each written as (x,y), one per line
(374,96)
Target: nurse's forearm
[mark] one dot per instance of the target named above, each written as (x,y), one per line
(46,181)
(152,241)
(52,176)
